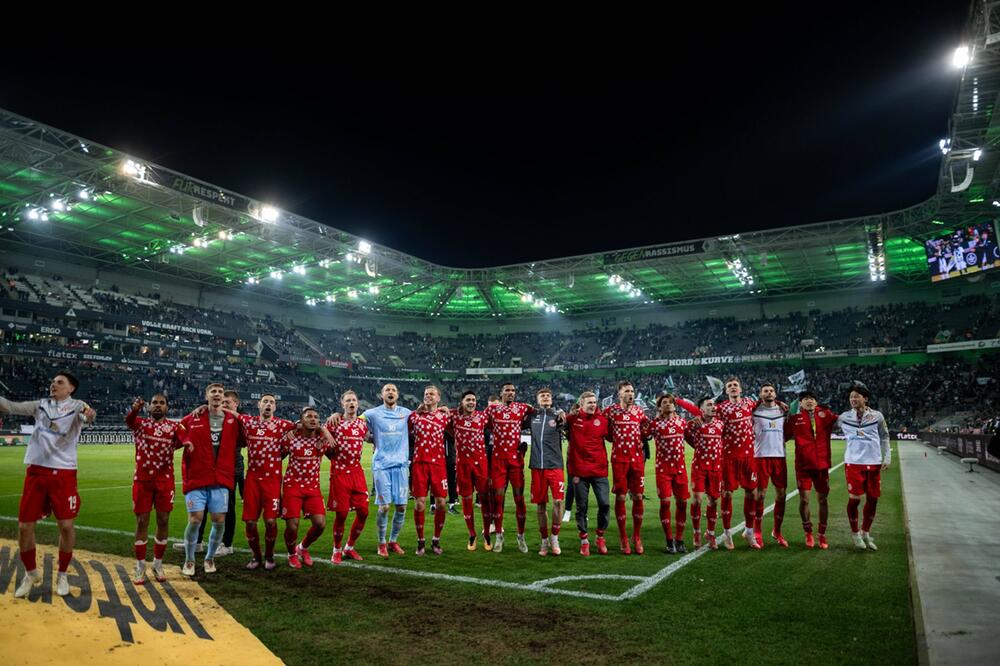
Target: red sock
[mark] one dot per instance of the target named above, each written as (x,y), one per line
(253,540)
(852,513)
(807,527)
(159,549)
(314,533)
(485,502)
(822,528)
(291,539)
(543,530)
(439,516)
(638,508)
(665,518)
(338,529)
(140,550)
(680,515)
(418,520)
(556,525)
(727,511)
(711,513)
(360,518)
(779,513)
(468,512)
(600,533)
(498,513)
(270,537)
(696,517)
(620,518)
(520,512)
(584,536)
(28,558)
(758,506)
(64,558)
(749,511)
(871,503)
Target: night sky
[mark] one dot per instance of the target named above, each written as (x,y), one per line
(516,152)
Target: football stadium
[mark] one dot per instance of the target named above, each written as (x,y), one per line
(231,433)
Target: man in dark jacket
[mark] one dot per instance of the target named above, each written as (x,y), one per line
(547,468)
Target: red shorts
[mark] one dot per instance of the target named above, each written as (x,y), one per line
(864,479)
(773,470)
(261,495)
(424,475)
(504,471)
(48,490)
(628,477)
(296,500)
(157,492)
(706,481)
(348,490)
(472,475)
(738,473)
(805,478)
(668,485)
(544,480)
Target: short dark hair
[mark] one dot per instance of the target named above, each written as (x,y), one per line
(703,399)
(308,408)
(159,395)
(771,385)
(506,384)
(262,395)
(543,390)
(733,378)
(861,390)
(807,394)
(71,378)
(663,396)
(469,392)
(623,383)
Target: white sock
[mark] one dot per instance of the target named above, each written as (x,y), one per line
(346,548)
(157,563)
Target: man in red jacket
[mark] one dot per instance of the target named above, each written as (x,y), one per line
(208,468)
(587,465)
(811,429)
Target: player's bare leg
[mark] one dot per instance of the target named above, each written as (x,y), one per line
(67,539)
(419,507)
(621,519)
(498,507)
(318,521)
(824,514)
(853,502)
(710,515)
(253,540)
(270,539)
(292,542)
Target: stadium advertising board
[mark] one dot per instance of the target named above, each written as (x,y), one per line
(330,363)
(965,345)
(878,351)
(716,360)
(967,446)
(494,371)
(654,252)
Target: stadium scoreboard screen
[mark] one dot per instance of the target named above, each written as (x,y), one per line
(964,251)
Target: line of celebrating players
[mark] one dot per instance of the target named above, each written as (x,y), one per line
(738,443)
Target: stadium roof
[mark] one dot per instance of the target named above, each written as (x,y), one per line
(92,204)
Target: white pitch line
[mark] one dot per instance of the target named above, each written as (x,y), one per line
(84,490)
(667,571)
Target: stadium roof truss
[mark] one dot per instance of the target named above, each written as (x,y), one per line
(91,204)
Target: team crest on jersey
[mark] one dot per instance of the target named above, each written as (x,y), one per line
(597,422)
(552,423)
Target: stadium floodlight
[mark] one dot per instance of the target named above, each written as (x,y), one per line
(310,301)
(349,256)
(976,154)
(44,216)
(373,289)
(364,247)
(33,214)
(331,298)
(299,270)
(324,263)
(352,293)
(269,214)
(134,169)
(59,205)
(84,194)
(961,58)
(945,146)
(277,275)
(251,280)
(526,298)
